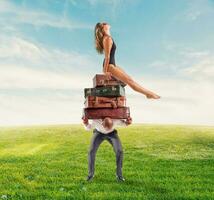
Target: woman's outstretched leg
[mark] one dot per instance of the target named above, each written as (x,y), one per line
(120,74)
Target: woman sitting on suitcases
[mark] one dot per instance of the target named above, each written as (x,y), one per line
(105,44)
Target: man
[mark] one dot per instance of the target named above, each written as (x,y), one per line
(104,129)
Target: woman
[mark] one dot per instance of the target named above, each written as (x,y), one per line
(105,44)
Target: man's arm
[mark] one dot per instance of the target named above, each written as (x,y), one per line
(87,125)
(121,122)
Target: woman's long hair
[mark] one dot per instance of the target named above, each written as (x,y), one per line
(98,36)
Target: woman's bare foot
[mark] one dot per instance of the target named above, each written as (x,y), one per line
(152,96)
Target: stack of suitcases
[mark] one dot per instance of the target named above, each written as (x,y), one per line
(106,99)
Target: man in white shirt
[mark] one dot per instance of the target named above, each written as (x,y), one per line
(104,129)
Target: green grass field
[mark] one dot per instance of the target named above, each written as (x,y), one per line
(160,162)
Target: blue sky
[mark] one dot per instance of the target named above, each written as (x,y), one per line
(47,57)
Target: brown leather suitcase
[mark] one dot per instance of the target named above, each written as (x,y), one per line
(104,102)
(101,80)
(99,113)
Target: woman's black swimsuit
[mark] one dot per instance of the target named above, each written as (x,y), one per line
(112,59)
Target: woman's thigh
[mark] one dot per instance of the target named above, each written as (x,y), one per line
(118,72)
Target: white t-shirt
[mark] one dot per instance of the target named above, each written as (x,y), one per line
(97,123)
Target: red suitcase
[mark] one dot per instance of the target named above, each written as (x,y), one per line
(104,102)
(101,80)
(114,113)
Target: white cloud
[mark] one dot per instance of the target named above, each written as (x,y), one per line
(110,2)
(196,9)
(25,64)
(15,15)
(187,96)
(46,109)
(112,8)
(23,102)
(193,14)
(15,77)
(40,85)
(20,51)
(15,47)
(204,70)
(202,67)
(191,53)
(187,62)
(182,102)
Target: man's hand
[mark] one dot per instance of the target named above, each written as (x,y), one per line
(85,120)
(128,121)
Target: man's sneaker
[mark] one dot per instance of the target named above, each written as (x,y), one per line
(89,178)
(120,178)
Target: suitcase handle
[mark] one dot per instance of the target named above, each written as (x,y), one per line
(105,82)
(113,104)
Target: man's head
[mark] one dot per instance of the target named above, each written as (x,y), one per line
(107,123)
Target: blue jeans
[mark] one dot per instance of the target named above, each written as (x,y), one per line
(96,140)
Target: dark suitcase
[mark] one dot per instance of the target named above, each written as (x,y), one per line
(104,102)
(106,91)
(99,113)
(101,80)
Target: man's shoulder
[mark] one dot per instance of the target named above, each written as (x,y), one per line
(117,120)
(96,120)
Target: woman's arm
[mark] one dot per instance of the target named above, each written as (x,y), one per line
(107,44)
